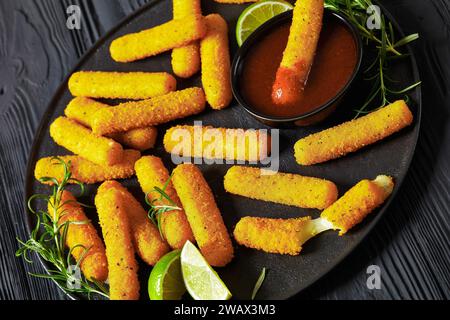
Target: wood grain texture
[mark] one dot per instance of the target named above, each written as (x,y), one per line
(410,244)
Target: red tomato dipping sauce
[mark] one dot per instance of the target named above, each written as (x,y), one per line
(333,67)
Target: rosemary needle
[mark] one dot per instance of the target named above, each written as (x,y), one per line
(259,283)
(384,42)
(48,239)
(160,205)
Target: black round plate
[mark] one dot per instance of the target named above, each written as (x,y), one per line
(286,275)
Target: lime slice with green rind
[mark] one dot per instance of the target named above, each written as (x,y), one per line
(166,279)
(256,14)
(202,282)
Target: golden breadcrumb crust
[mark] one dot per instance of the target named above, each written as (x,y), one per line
(304,33)
(203,215)
(122,264)
(173,34)
(151,112)
(281,236)
(152,173)
(146,238)
(284,188)
(299,54)
(353,135)
(230,144)
(81,141)
(356,204)
(140,139)
(121,85)
(186,60)
(82,237)
(82,110)
(215,58)
(86,171)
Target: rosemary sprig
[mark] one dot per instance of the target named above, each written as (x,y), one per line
(160,205)
(259,283)
(388,49)
(48,239)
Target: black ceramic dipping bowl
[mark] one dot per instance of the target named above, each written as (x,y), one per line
(321,111)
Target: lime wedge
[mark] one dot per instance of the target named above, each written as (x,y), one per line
(201,281)
(166,279)
(256,14)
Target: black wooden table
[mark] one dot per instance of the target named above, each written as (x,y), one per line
(411,244)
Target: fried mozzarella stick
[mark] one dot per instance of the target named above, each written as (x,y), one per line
(146,238)
(299,54)
(173,34)
(215,57)
(217,143)
(82,110)
(86,171)
(203,215)
(121,85)
(152,173)
(284,188)
(122,264)
(282,236)
(81,141)
(82,239)
(151,112)
(358,202)
(353,135)
(286,236)
(140,139)
(186,60)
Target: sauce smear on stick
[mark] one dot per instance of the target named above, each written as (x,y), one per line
(334,63)
(299,53)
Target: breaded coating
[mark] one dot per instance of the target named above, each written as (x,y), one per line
(283,236)
(146,238)
(81,141)
(218,143)
(286,236)
(353,135)
(358,202)
(299,54)
(121,85)
(173,34)
(86,171)
(284,188)
(151,112)
(122,264)
(82,110)
(139,139)
(215,58)
(152,173)
(81,237)
(186,60)
(203,215)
